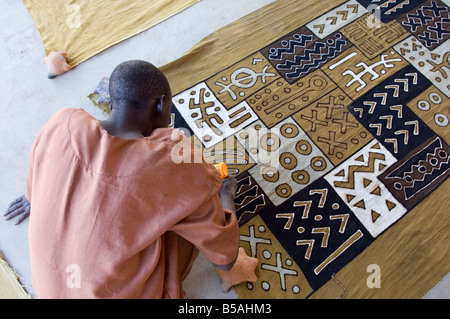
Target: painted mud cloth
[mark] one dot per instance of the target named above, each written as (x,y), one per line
(334,117)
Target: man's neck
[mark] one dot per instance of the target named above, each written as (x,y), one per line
(122,124)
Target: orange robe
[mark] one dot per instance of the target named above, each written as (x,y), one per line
(115,218)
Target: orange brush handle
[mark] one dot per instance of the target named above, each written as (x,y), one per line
(222,169)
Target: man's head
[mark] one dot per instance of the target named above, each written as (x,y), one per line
(141,88)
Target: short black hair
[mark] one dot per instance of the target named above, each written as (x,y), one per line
(135,81)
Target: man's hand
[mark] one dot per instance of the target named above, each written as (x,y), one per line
(20,207)
(228,192)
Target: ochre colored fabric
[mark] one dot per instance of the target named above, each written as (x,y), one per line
(355,111)
(10,287)
(84,28)
(114,218)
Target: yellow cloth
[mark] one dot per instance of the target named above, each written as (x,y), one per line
(10,288)
(84,28)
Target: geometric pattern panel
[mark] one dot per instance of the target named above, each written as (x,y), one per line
(210,120)
(414,178)
(356,182)
(250,198)
(384,112)
(318,230)
(301,52)
(287,159)
(432,107)
(388,10)
(358,74)
(332,127)
(434,64)
(429,23)
(373,41)
(278,275)
(336,18)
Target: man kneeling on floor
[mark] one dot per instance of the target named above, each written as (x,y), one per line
(107,202)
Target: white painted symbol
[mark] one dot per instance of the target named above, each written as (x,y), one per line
(348,57)
(282,272)
(371,70)
(244,78)
(254,241)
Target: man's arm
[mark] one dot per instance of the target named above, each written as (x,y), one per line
(213,227)
(243,267)
(227,194)
(20,207)
(226,267)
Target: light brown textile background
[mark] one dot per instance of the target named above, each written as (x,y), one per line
(84,28)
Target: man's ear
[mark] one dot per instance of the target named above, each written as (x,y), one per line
(160,105)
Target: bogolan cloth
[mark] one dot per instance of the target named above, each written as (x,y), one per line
(336,123)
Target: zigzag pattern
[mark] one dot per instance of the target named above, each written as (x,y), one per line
(250,208)
(248,201)
(300,58)
(317,62)
(277,53)
(250,193)
(369,168)
(397,7)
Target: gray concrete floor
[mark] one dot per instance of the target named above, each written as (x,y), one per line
(28,99)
